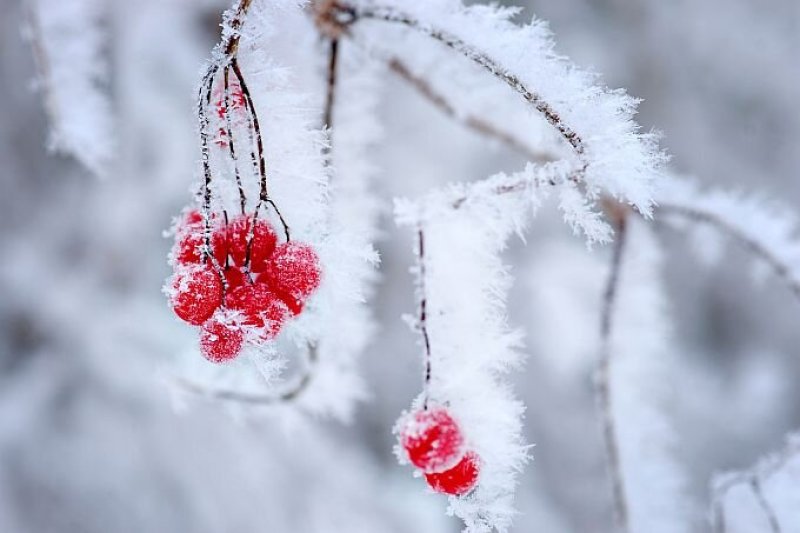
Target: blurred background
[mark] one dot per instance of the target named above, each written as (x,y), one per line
(90,440)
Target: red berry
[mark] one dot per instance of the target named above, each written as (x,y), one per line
(219,341)
(190,236)
(294,273)
(263,244)
(187,249)
(260,308)
(236,97)
(432,439)
(234,278)
(460,479)
(196,293)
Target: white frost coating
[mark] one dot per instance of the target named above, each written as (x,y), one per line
(620,161)
(347,324)
(67,40)
(471,344)
(764,227)
(640,365)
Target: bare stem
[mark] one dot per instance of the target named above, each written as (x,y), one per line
(603,378)
(330,97)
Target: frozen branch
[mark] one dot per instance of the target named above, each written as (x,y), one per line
(769,232)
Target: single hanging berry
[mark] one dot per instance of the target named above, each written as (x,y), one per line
(432,439)
(220,341)
(460,479)
(262,247)
(195,293)
(293,272)
(260,308)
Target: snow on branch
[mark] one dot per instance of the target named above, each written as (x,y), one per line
(67,41)
(468,349)
(647,479)
(766,229)
(594,121)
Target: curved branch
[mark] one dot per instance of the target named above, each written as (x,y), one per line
(756,248)
(472,122)
(386,14)
(288,393)
(603,378)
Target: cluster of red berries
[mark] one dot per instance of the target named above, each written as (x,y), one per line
(238,293)
(433,442)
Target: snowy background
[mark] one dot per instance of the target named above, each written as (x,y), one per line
(90,438)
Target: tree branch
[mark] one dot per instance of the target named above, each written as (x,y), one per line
(482,59)
(780,268)
(618,214)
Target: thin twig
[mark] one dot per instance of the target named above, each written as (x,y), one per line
(477,124)
(330,96)
(754,478)
(480,58)
(423,313)
(231,148)
(603,378)
(780,268)
(288,394)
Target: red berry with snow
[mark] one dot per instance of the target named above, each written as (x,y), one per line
(432,439)
(294,273)
(220,341)
(190,237)
(234,278)
(458,480)
(260,308)
(263,244)
(196,292)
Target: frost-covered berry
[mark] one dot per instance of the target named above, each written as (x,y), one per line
(260,308)
(234,278)
(432,439)
(220,341)
(195,293)
(264,240)
(190,237)
(293,272)
(458,480)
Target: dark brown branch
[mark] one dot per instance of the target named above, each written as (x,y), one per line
(780,268)
(288,394)
(603,378)
(330,95)
(476,56)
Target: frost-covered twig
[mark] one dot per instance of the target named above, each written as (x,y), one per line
(67,42)
(768,231)
(603,377)
(390,14)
